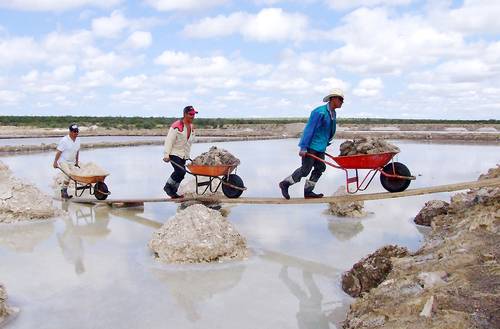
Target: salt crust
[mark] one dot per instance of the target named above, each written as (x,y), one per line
(20,201)
(198,234)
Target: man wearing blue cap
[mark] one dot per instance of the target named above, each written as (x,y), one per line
(66,158)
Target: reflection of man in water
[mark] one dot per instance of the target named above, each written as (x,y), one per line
(310,315)
(72,246)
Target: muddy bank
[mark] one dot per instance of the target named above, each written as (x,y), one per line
(20,201)
(450,282)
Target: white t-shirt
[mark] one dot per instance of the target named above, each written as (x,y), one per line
(68,149)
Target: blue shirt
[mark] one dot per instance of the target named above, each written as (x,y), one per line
(319,130)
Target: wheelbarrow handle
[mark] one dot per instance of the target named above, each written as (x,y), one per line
(69,176)
(179,166)
(322,160)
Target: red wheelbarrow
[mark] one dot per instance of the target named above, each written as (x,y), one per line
(223,175)
(394,176)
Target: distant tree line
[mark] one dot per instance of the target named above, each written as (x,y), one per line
(162,122)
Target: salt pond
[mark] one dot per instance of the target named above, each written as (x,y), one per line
(94,270)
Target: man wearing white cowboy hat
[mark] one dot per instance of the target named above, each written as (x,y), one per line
(318,133)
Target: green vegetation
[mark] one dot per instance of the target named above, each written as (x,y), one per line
(163,122)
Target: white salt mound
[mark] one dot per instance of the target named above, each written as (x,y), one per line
(88,169)
(198,234)
(20,201)
(215,157)
(346,208)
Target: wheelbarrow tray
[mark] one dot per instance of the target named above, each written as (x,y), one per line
(364,161)
(204,170)
(88,179)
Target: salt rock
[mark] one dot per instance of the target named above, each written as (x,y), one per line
(346,208)
(198,234)
(6,311)
(215,157)
(369,272)
(428,308)
(366,146)
(432,279)
(20,201)
(430,210)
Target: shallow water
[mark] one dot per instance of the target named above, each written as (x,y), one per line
(94,270)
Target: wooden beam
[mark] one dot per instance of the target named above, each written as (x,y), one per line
(350,197)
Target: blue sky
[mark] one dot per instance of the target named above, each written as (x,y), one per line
(435,59)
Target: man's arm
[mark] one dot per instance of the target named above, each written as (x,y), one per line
(169,144)
(311,125)
(56,159)
(77,156)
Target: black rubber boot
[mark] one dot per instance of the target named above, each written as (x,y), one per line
(64,194)
(171,188)
(284,185)
(308,190)
(171,191)
(312,195)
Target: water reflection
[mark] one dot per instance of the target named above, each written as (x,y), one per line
(84,221)
(191,288)
(310,314)
(24,237)
(345,229)
(310,248)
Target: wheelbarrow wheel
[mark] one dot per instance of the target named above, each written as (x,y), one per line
(229,191)
(101,191)
(395,184)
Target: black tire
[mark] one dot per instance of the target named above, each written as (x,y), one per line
(230,192)
(395,184)
(101,191)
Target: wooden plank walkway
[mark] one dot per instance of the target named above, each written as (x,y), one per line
(351,197)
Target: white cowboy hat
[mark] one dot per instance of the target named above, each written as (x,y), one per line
(335,92)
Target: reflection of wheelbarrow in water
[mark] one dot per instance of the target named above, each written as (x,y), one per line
(95,185)
(232,184)
(394,176)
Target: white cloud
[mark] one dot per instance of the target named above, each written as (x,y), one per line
(95,60)
(31,77)
(172,58)
(55,5)
(375,42)
(218,26)
(20,51)
(347,4)
(95,79)
(270,24)
(479,16)
(139,39)
(64,72)
(109,27)
(170,5)
(132,82)
(369,88)
(464,70)
(9,97)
